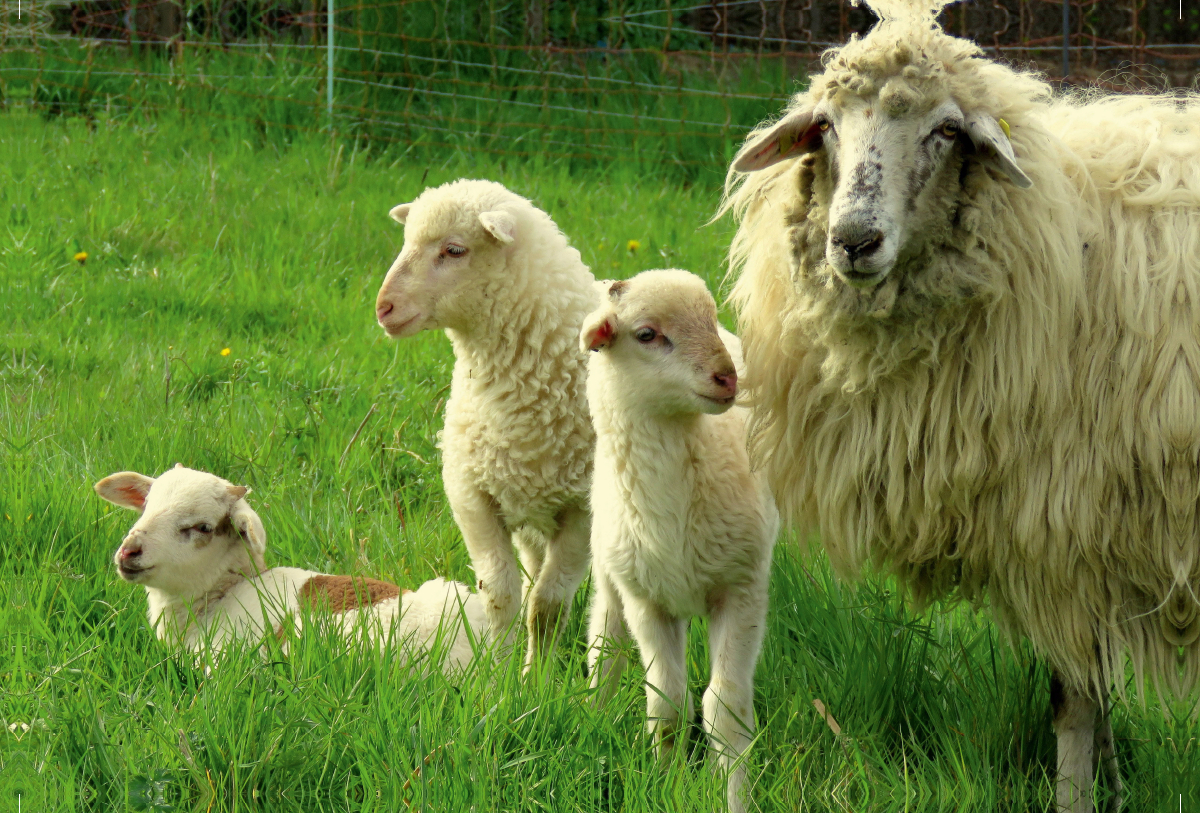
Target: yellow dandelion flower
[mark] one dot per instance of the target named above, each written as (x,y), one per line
(225,352)
(633,245)
(81,257)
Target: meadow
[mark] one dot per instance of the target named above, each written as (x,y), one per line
(179,293)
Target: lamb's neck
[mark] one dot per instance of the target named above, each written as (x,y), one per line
(174,617)
(651,448)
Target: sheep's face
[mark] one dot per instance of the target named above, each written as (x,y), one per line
(658,332)
(888,172)
(449,246)
(194,528)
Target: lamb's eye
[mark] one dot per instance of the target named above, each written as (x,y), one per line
(645,335)
(203,528)
(455,250)
(823,124)
(949,129)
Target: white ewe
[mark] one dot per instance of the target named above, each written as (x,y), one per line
(969,314)
(496,273)
(682,527)
(198,550)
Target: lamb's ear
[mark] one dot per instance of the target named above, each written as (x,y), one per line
(794,134)
(237,492)
(598,329)
(251,529)
(500,224)
(127,489)
(400,213)
(991,140)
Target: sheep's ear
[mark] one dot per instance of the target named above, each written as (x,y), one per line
(598,330)
(237,492)
(795,134)
(400,213)
(251,529)
(500,224)
(127,489)
(991,140)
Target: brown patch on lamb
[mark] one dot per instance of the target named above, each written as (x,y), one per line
(340,594)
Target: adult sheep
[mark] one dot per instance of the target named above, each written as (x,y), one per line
(969,312)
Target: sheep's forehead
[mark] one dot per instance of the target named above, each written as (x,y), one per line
(185,491)
(680,302)
(454,208)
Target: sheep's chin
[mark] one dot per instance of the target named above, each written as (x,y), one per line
(714,406)
(133,575)
(402,328)
(860,280)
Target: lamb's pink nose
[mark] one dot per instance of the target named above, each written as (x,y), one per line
(382,309)
(129,552)
(726,381)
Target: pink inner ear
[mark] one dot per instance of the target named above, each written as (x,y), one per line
(601,335)
(134,495)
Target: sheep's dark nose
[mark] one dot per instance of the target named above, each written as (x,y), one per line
(859,245)
(726,381)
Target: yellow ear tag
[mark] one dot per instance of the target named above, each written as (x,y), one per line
(1004,127)
(786,141)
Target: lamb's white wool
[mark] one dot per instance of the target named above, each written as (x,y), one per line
(510,292)
(682,527)
(970,315)
(198,550)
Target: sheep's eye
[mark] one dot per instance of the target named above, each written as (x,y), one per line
(203,528)
(455,250)
(823,124)
(949,129)
(645,335)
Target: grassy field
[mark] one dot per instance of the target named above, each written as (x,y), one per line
(196,244)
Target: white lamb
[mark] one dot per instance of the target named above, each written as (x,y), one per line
(198,549)
(970,316)
(496,273)
(683,527)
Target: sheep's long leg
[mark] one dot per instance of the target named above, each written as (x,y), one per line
(662,641)
(1075,727)
(1107,751)
(492,556)
(563,567)
(735,631)
(606,635)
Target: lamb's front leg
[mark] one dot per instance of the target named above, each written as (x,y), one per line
(563,567)
(738,622)
(492,555)
(606,633)
(1075,727)
(662,641)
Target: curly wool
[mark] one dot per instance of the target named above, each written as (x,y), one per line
(1018,426)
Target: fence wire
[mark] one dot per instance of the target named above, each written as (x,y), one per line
(592,80)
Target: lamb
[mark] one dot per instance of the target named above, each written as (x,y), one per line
(682,527)
(969,312)
(499,277)
(199,550)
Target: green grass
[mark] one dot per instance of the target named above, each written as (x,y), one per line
(197,243)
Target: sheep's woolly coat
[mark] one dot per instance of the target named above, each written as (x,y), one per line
(1020,423)
(517,424)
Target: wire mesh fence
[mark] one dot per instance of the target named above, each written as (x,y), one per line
(592,81)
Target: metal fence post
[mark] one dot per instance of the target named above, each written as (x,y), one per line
(1066,37)
(329,64)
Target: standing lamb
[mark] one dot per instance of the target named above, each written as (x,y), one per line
(198,549)
(969,313)
(683,527)
(499,277)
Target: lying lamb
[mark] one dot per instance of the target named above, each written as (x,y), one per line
(500,278)
(682,526)
(198,549)
(970,315)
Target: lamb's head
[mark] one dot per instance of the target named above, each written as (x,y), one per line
(194,529)
(888,134)
(657,333)
(455,236)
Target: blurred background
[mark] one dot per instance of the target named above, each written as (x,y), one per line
(648,80)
